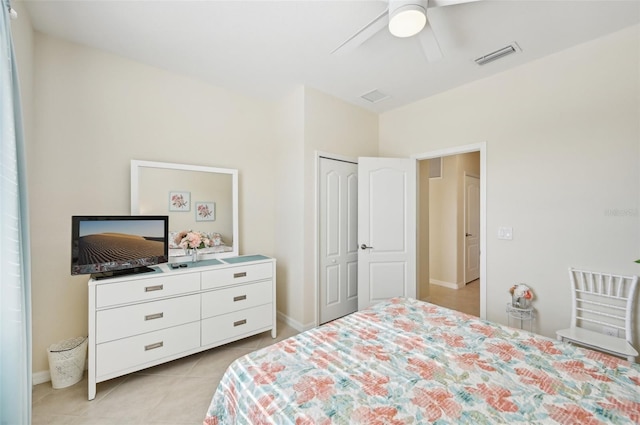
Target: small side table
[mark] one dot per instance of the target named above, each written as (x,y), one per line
(524,315)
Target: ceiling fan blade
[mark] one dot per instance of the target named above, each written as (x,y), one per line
(429,43)
(439,3)
(363,34)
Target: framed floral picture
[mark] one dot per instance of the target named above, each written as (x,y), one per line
(205,211)
(179,201)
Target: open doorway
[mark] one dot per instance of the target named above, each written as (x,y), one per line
(449,231)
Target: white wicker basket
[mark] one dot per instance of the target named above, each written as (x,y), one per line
(66,361)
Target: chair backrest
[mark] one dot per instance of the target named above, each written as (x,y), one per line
(603,302)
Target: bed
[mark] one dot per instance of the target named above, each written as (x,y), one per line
(406,361)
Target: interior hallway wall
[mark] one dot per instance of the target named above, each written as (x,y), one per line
(423,251)
(446,218)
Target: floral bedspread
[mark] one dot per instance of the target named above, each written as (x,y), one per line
(406,361)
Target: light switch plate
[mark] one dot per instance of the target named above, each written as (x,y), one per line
(505,233)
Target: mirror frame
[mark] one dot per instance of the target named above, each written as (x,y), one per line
(136,165)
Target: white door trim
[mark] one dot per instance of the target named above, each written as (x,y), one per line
(482,148)
(316,219)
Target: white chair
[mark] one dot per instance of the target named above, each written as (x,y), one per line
(602,312)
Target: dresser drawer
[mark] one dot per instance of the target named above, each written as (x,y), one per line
(122,322)
(131,291)
(222,301)
(235,275)
(115,356)
(236,324)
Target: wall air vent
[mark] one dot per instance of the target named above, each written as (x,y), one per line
(490,57)
(375,96)
(435,168)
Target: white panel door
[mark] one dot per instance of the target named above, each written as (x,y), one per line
(471,228)
(386,229)
(338,202)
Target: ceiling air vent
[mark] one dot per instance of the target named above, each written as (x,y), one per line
(490,57)
(375,96)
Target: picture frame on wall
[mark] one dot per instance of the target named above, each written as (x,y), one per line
(179,201)
(205,211)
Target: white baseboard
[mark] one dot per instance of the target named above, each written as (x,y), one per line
(294,323)
(308,326)
(449,285)
(40,377)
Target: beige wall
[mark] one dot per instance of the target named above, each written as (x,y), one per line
(309,121)
(563,161)
(331,126)
(96,112)
(289,186)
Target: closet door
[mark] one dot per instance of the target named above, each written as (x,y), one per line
(338,200)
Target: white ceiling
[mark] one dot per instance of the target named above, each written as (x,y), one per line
(263,48)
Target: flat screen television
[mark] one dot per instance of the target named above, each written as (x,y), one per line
(109,246)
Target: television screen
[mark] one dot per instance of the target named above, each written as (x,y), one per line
(107,246)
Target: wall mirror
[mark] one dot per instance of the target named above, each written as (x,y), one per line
(197,198)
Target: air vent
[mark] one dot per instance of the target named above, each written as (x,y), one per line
(490,57)
(375,96)
(435,168)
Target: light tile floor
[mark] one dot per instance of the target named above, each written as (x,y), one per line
(466,300)
(178,392)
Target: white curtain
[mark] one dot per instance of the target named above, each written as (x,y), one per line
(15,295)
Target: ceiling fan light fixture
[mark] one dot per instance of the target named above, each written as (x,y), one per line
(407,20)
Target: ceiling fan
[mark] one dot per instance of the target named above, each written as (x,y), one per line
(404,18)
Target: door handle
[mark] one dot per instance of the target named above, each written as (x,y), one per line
(468,234)
(364,246)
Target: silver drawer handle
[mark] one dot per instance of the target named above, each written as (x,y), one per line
(243,274)
(240,322)
(240,298)
(153,288)
(154,316)
(153,346)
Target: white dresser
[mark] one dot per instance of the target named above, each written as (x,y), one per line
(144,320)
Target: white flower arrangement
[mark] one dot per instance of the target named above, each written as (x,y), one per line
(521,295)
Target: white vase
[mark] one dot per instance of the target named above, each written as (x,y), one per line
(520,302)
(191,253)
